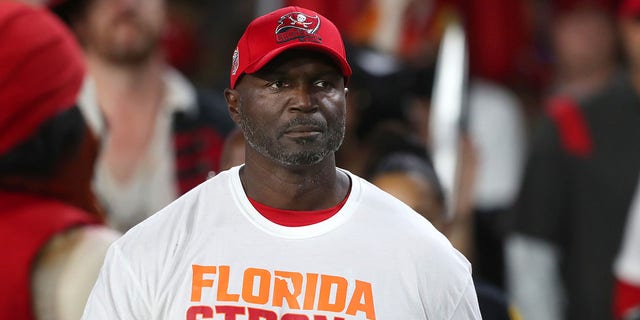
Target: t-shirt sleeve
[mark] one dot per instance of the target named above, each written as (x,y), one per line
(118,293)
(467,307)
(446,284)
(541,205)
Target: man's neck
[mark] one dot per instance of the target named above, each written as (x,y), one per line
(582,83)
(130,99)
(123,84)
(306,188)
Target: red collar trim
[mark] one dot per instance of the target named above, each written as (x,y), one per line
(294,218)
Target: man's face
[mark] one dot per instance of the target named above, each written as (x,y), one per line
(583,39)
(122,31)
(293,109)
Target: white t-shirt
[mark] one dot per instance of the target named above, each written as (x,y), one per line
(211,255)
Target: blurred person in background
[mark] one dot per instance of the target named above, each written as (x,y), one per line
(51,227)
(160,135)
(497,133)
(376,96)
(233,150)
(583,47)
(579,182)
(493,132)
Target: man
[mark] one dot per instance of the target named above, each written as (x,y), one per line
(578,186)
(161,137)
(288,235)
(53,242)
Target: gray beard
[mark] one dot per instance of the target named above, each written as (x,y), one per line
(270,149)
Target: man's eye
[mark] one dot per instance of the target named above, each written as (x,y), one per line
(277,84)
(321,84)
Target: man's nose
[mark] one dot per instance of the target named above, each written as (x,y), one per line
(303,100)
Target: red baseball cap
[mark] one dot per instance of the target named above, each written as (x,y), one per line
(286,28)
(41,70)
(629,8)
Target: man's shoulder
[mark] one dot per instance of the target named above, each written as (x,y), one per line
(377,199)
(384,211)
(618,92)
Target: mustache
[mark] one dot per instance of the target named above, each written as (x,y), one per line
(304,121)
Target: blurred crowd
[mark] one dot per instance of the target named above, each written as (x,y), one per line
(548,201)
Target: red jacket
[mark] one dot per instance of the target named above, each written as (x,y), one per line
(27,222)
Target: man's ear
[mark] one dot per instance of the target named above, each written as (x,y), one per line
(233,102)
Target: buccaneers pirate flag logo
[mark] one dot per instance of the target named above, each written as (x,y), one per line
(297,25)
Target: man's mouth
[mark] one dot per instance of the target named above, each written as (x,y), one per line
(303,131)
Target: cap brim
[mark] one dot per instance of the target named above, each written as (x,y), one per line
(337,57)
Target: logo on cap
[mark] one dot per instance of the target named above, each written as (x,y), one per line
(297,25)
(235,62)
